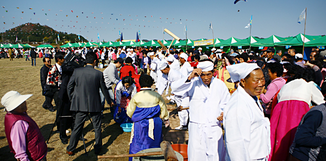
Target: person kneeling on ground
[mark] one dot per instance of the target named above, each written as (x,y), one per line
(124,91)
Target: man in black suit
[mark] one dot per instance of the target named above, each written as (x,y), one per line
(45,88)
(71,62)
(83,91)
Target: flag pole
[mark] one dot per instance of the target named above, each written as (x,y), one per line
(250,38)
(304,31)
(213,34)
(186,39)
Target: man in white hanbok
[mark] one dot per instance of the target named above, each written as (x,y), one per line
(185,70)
(169,76)
(162,79)
(247,131)
(173,63)
(153,66)
(207,98)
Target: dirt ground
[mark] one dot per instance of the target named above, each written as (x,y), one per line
(19,75)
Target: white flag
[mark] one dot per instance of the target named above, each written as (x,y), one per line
(249,23)
(247,26)
(302,16)
(210,27)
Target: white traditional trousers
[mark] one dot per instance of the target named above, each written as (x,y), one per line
(205,143)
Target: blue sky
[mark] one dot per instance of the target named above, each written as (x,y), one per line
(278,17)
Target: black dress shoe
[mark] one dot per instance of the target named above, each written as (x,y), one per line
(64,140)
(97,151)
(51,109)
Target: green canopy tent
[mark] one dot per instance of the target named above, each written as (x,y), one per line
(245,42)
(16,46)
(113,44)
(183,43)
(229,42)
(45,46)
(296,40)
(178,43)
(129,43)
(81,44)
(217,42)
(151,43)
(107,44)
(26,46)
(89,44)
(66,45)
(166,42)
(10,45)
(118,44)
(319,41)
(6,46)
(139,43)
(240,42)
(99,44)
(76,45)
(268,42)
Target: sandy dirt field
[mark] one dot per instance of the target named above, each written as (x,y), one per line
(19,75)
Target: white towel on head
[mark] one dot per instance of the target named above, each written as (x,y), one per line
(184,56)
(162,65)
(240,71)
(170,58)
(206,66)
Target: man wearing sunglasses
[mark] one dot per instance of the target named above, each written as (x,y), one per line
(43,74)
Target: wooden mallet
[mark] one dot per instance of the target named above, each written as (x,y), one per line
(167,152)
(162,45)
(171,34)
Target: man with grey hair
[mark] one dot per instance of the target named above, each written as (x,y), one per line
(111,76)
(247,131)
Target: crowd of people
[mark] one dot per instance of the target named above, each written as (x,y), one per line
(236,105)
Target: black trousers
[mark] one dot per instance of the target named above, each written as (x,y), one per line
(58,103)
(80,119)
(48,102)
